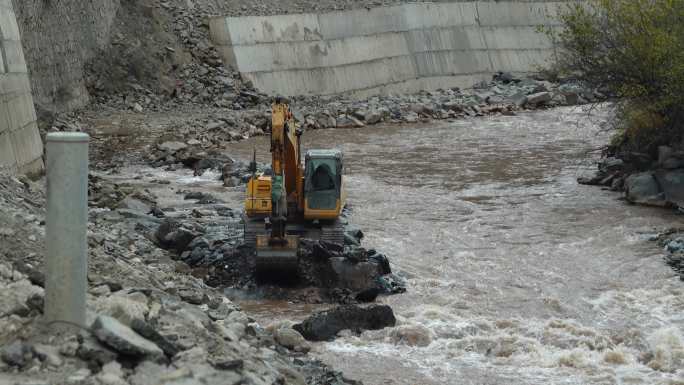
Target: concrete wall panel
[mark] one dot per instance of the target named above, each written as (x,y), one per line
(9,30)
(268,29)
(332,80)
(359,22)
(21,148)
(26,142)
(14,83)
(8,160)
(315,54)
(14,56)
(4,118)
(402,48)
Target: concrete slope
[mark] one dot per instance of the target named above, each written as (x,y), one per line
(401,48)
(21,148)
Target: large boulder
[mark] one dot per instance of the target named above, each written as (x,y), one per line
(643,188)
(354,276)
(325,325)
(672,185)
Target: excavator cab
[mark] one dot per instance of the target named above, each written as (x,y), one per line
(323,184)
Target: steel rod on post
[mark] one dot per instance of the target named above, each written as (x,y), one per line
(66,254)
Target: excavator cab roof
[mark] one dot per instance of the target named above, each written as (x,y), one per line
(325,153)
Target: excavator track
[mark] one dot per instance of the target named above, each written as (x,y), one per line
(275,258)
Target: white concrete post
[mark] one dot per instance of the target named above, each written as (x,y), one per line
(66,256)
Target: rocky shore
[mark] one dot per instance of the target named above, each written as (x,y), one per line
(156,305)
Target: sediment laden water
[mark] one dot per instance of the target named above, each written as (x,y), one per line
(518,275)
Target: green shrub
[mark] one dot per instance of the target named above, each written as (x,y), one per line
(633,50)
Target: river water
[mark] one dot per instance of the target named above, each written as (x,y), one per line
(517,274)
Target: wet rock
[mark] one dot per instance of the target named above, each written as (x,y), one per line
(643,188)
(325,325)
(675,245)
(353,235)
(354,276)
(411,335)
(291,339)
(147,331)
(123,339)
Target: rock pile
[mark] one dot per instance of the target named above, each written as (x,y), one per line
(647,181)
(147,323)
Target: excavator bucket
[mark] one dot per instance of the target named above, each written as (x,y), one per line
(277,257)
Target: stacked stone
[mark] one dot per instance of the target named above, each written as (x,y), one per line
(21,148)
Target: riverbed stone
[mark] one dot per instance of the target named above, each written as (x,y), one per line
(172,146)
(539,98)
(123,339)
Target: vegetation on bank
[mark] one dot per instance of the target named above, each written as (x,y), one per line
(632,50)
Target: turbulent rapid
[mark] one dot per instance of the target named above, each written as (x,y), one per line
(517,274)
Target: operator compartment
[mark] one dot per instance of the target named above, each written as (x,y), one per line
(323,184)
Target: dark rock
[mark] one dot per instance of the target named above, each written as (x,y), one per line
(672,185)
(228,364)
(354,233)
(381,260)
(146,330)
(504,77)
(92,351)
(17,354)
(324,326)
(368,295)
(643,188)
(171,236)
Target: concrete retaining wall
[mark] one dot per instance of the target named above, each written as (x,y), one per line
(402,48)
(21,148)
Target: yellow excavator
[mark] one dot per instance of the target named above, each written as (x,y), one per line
(295,201)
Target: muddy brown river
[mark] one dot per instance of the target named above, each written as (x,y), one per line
(517,274)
